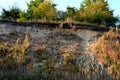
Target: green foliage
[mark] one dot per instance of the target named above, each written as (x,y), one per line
(71,11)
(30,5)
(61,15)
(40,9)
(22,15)
(69,14)
(11,14)
(91,11)
(96,11)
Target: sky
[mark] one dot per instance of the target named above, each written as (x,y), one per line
(61,4)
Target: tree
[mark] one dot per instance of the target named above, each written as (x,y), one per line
(71,11)
(41,9)
(22,15)
(11,14)
(30,6)
(96,11)
(61,15)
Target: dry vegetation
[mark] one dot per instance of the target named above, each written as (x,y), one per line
(107,49)
(59,56)
(13,59)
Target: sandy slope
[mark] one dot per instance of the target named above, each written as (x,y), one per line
(57,42)
(53,39)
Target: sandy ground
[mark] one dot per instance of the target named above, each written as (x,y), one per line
(54,40)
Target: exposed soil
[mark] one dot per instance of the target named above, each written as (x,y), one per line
(53,39)
(56,41)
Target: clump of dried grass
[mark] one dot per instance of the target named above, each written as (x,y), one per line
(12,56)
(107,49)
(69,53)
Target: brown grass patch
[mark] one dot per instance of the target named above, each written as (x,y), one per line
(107,49)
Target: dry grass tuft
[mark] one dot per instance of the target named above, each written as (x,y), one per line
(107,49)
(69,53)
(12,56)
